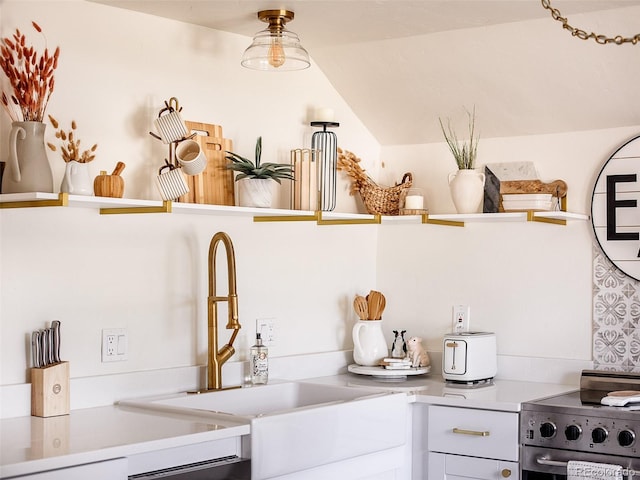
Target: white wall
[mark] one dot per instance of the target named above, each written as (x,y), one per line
(117,67)
(148,273)
(530,283)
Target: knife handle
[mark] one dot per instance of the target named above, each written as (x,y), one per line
(44,348)
(55,327)
(35,349)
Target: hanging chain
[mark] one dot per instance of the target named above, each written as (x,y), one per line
(576,32)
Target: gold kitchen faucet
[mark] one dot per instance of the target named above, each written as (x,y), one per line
(218,357)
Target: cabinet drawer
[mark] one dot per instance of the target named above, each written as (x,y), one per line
(454,467)
(477,433)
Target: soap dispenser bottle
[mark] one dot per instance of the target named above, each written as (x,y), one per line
(259,362)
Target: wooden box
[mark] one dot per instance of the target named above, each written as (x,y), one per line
(50,390)
(214,186)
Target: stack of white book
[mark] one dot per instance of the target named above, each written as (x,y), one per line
(396,363)
(527,201)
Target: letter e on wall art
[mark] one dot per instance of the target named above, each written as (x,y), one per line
(615,208)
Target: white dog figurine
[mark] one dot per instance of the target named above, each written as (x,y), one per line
(416,352)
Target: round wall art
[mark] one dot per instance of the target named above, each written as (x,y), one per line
(615,208)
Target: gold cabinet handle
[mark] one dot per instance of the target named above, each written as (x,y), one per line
(471,432)
(506,473)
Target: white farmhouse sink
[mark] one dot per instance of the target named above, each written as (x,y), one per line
(297,426)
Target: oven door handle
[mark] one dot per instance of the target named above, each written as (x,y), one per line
(551,463)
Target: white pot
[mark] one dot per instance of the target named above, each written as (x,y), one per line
(467,190)
(255,192)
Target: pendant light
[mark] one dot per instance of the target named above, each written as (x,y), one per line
(275,48)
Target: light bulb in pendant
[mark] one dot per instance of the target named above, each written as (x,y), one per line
(276,55)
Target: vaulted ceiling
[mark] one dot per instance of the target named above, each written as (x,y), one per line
(401,65)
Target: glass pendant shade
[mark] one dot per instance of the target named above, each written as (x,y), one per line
(275,48)
(275,52)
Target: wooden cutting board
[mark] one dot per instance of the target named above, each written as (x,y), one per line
(557,188)
(214,186)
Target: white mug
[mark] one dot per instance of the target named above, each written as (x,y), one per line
(191,156)
(171,126)
(171,184)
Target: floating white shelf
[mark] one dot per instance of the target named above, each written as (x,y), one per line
(108,205)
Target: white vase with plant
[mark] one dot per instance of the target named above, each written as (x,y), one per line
(256,179)
(31,81)
(77,179)
(467,184)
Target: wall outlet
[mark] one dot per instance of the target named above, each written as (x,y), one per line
(266,327)
(115,345)
(461,318)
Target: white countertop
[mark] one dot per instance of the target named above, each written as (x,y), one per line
(31,444)
(503,395)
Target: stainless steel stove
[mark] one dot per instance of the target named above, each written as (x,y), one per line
(576,426)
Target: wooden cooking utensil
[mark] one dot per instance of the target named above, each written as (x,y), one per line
(383,303)
(374,303)
(361,307)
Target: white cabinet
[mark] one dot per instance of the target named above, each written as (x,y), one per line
(470,443)
(476,433)
(454,467)
(108,470)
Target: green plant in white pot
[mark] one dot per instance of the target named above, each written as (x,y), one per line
(467,184)
(256,179)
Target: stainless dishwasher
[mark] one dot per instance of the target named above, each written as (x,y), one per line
(225,468)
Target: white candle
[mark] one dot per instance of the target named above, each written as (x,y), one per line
(324,115)
(414,202)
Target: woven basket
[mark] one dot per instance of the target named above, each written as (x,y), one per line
(384,201)
(377,200)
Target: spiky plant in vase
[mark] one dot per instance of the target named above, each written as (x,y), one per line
(463,152)
(467,184)
(255,178)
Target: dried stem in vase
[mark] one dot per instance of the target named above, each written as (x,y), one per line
(30,76)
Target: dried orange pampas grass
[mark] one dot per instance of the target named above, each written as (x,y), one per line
(71,144)
(30,76)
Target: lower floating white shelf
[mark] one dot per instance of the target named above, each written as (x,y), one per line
(113,205)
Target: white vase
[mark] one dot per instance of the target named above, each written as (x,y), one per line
(467,190)
(255,192)
(369,345)
(27,168)
(77,180)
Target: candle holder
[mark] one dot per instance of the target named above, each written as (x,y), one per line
(304,187)
(412,202)
(324,145)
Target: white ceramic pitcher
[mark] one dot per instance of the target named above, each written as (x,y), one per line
(76,179)
(369,345)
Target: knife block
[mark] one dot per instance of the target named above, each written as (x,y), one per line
(50,436)
(50,390)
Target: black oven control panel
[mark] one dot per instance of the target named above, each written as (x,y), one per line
(584,433)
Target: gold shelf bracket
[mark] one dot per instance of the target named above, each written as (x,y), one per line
(531,217)
(61,201)
(286,218)
(448,223)
(376,220)
(165,208)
